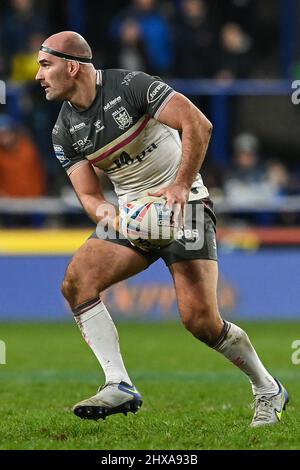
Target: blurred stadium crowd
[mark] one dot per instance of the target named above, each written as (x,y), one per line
(224,40)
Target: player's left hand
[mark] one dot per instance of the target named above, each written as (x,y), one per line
(177,198)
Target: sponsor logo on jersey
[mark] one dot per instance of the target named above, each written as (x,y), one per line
(112,103)
(77,127)
(140,157)
(127,79)
(60,155)
(122,118)
(99,126)
(125,159)
(156,90)
(82,144)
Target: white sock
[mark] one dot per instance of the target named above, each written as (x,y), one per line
(237,347)
(100,333)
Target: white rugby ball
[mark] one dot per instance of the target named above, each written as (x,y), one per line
(148,223)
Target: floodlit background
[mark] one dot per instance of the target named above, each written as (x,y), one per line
(239,62)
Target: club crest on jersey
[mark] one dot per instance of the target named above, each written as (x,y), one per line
(122,118)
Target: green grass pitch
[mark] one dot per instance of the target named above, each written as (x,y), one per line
(193,398)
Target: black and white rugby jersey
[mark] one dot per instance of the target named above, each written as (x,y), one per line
(120,134)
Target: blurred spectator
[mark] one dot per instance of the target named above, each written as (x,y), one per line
(241,12)
(155,32)
(21,170)
(235,58)
(257,184)
(24,64)
(254,180)
(193,41)
(40,120)
(278,178)
(246,183)
(19,22)
(281,184)
(131,51)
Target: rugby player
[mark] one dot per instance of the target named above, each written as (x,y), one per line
(126,124)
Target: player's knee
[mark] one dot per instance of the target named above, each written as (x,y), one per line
(204,323)
(69,286)
(81,284)
(72,283)
(195,318)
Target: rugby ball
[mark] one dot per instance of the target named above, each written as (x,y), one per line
(148,223)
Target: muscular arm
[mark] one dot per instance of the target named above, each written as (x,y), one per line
(180,113)
(88,190)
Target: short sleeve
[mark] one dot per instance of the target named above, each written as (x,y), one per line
(148,94)
(64,149)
